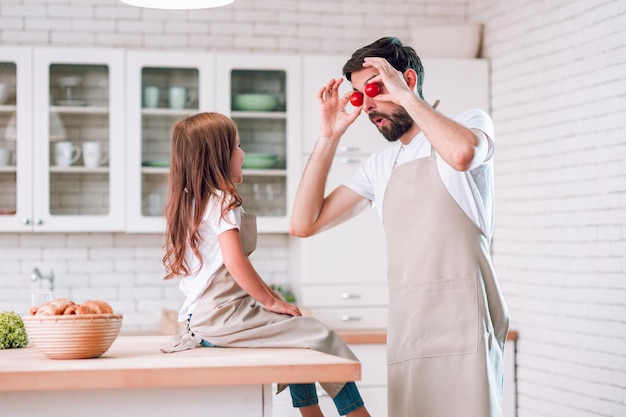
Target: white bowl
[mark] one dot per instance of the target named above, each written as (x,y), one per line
(255,102)
(259,160)
(452,41)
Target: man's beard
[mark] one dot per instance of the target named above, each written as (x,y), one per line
(399,123)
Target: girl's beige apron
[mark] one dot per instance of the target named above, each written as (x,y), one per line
(227,316)
(447,318)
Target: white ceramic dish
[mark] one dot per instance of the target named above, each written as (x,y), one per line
(255,102)
(259,160)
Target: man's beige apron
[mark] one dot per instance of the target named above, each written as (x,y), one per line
(227,316)
(447,318)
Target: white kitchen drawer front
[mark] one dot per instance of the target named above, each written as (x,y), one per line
(344,295)
(351,318)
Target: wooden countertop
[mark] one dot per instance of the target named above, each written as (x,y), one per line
(135,361)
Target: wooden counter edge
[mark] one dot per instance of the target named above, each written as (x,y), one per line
(356,337)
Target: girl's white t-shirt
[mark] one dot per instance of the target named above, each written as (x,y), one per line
(213,224)
(472,190)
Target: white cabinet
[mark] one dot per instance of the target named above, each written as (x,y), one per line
(76,98)
(271,131)
(372,386)
(15,136)
(212,83)
(166,86)
(342,271)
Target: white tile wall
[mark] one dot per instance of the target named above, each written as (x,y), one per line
(559,107)
(123,269)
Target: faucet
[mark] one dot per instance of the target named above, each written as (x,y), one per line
(36,276)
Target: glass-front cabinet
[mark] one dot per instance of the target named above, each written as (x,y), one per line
(260,93)
(65,137)
(15,135)
(165,87)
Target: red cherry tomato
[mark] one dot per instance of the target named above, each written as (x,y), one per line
(356,99)
(372,90)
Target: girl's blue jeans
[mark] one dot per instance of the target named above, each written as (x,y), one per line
(348,399)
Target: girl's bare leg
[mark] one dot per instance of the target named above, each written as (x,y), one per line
(359,412)
(311,411)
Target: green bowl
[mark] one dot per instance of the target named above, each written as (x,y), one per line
(259,160)
(255,102)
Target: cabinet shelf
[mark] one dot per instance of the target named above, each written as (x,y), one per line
(250,172)
(265,172)
(8,108)
(79,109)
(168,112)
(155,170)
(78,170)
(258,114)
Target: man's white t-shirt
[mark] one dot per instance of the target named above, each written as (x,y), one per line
(472,190)
(213,224)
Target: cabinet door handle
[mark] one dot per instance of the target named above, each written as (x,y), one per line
(26,221)
(346,161)
(347,317)
(344,148)
(38,221)
(349,296)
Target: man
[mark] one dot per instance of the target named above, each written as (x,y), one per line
(433,188)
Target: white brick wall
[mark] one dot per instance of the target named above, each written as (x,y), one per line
(126,269)
(559,108)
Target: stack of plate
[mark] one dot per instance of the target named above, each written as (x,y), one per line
(259,160)
(73,336)
(255,102)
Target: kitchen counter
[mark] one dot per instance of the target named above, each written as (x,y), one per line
(380,336)
(135,377)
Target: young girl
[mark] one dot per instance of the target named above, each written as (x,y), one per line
(208,240)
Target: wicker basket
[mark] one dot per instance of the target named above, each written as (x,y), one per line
(73,336)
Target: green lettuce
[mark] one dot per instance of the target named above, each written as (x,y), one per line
(12,331)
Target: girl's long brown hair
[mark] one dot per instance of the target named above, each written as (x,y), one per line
(202,146)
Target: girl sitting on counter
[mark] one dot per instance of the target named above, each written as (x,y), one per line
(209,238)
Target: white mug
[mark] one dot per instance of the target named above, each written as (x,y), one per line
(151,95)
(65,153)
(5,157)
(155,204)
(93,156)
(177,97)
(4,93)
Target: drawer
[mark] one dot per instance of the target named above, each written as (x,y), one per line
(351,318)
(344,295)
